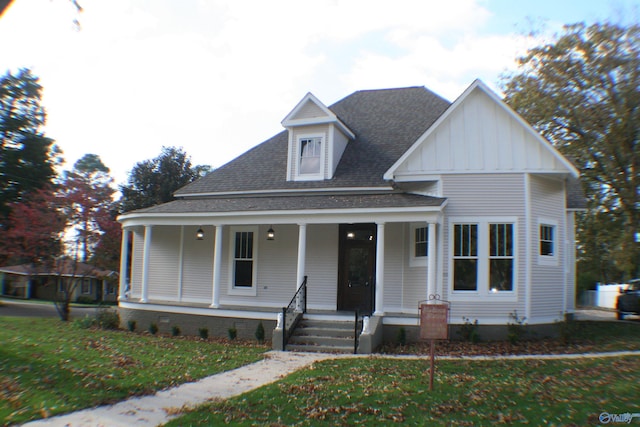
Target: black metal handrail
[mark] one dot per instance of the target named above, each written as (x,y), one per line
(292,313)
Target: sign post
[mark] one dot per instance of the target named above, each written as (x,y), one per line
(434,325)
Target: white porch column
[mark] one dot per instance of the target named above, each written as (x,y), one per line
(124,264)
(379,302)
(302,253)
(431,257)
(145,262)
(180,263)
(217,265)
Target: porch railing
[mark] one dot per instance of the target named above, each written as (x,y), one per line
(292,313)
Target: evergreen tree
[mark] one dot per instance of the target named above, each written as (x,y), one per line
(27,156)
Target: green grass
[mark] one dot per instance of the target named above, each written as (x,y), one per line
(48,367)
(466,393)
(379,391)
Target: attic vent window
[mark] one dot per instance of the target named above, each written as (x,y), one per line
(310,155)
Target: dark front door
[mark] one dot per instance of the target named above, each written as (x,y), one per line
(356,273)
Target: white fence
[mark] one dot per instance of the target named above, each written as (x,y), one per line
(604,297)
(608,294)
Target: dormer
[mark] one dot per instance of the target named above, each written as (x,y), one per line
(317,139)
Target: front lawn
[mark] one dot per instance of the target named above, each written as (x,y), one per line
(376,391)
(48,367)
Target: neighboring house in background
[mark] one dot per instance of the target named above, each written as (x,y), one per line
(26,281)
(381,200)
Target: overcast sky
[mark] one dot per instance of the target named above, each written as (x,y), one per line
(216,77)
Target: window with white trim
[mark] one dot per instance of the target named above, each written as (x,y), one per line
(547,233)
(310,156)
(465,257)
(547,242)
(243,260)
(500,257)
(483,257)
(419,244)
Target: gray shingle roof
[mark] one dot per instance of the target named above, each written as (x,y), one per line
(293,203)
(386,123)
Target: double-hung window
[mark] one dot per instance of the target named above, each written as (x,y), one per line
(419,244)
(500,257)
(310,155)
(243,260)
(483,257)
(465,257)
(548,242)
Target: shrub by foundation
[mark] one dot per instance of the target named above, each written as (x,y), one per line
(153,329)
(233,333)
(204,333)
(260,333)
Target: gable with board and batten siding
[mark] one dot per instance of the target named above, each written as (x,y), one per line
(478,133)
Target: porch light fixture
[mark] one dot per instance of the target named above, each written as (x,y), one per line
(200,234)
(351,235)
(271,235)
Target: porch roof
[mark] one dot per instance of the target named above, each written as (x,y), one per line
(258,204)
(64,268)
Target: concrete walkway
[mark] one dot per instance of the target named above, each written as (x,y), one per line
(154,410)
(157,409)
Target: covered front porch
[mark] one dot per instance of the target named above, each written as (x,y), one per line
(248,266)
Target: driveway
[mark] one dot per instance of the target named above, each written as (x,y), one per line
(600,314)
(19,308)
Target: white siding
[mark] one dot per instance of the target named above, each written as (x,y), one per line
(163,263)
(308,111)
(547,281)
(277,265)
(339,144)
(476,196)
(414,277)
(197,269)
(136,259)
(571,263)
(295,146)
(322,266)
(394,279)
(480,136)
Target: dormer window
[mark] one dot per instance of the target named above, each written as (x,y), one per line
(317,140)
(310,155)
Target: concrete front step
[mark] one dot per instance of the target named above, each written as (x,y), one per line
(326,324)
(319,331)
(320,349)
(316,335)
